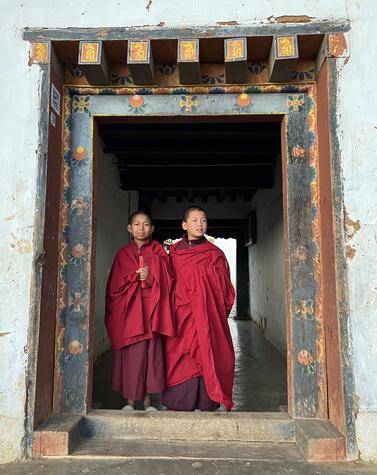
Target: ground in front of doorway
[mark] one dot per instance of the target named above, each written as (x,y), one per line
(179,467)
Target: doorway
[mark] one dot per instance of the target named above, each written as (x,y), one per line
(294,107)
(183,162)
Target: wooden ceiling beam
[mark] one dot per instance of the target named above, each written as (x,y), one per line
(283,57)
(188,61)
(94,62)
(235,57)
(140,61)
(184,132)
(173,158)
(172,147)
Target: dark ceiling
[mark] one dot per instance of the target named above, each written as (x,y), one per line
(194,159)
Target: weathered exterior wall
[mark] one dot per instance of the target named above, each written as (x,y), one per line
(358,145)
(266,266)
(113,209)
(20,162)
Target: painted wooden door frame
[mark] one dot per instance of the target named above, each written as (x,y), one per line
(296,103)
(307,360)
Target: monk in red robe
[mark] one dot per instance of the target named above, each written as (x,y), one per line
(138,313)
(199,361)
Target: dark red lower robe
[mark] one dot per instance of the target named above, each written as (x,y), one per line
(137,317)
(203,347)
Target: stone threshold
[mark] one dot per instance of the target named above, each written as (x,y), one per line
(130,433)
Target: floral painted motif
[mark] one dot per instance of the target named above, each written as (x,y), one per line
(124,80)
(79,205)
(303,75)
(75,347)
(79,156)
(253,89)
(216,90)
(75,71)
(306,360)
(256,67)
(295,102)
(136,103)
(181,90)
(305,310)
(76,302)
(298,153)
(188,103)
(77,254)
(81,104)
(219,79)
(243,101)
(167,69)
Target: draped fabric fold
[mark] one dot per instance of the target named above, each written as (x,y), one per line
(204,296)
(126,322)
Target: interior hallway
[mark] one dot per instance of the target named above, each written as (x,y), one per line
(260,374)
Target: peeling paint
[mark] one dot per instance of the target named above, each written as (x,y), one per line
(337,45)
(350,252)
(351,227)
(4,333)
(227,23)
(24,246)
(148,7)
(293,19)
(10,218)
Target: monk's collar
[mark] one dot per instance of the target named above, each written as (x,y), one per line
(193,242)
(143,245)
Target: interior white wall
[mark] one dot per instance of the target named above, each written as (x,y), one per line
(266,266)
(113,209)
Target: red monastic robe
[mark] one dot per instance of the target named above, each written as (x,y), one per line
(204,296)
(126,322)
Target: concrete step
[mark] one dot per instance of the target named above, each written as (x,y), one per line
(199,426)
(125,434)
(102,448)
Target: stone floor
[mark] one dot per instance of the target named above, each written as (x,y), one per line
(260,374)
(180,467)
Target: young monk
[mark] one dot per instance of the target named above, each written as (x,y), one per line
(200,359)
(138,313)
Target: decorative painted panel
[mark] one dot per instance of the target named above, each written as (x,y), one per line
(40,53)
(90,52)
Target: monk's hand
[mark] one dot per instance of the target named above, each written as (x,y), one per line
(143,273)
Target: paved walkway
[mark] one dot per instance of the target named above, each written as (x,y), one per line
(260,376)
(180,467)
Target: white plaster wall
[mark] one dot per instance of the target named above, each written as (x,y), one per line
(358,127)
(18,163)
(113,209)
(266,266)
(19,139)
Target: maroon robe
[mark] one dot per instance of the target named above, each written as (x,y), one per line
(203,297)
(126,322)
